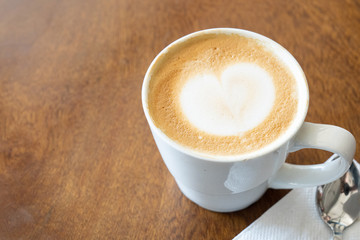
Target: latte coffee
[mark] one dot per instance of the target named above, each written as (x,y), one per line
(221,94)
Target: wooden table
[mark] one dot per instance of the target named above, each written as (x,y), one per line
(77,157)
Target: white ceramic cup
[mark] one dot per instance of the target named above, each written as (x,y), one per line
(226,184)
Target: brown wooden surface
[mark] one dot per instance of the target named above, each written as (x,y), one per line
(77,159)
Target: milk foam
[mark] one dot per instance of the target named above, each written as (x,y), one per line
(222,94)
(239,100)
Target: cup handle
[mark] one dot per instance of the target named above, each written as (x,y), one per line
(319,136)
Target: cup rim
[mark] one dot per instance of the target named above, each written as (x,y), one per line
(299,119)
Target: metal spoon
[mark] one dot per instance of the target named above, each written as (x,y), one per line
(338,202)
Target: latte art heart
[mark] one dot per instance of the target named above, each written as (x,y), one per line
(239,101)
(222,94)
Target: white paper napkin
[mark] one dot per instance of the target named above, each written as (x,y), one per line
(294,217)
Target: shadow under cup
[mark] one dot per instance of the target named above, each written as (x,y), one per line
(230,183)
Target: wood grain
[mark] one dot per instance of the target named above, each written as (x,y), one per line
(77,159)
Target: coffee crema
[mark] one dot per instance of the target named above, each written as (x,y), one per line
(221,94)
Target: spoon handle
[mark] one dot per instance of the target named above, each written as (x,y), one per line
(337,237)
(338,231)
